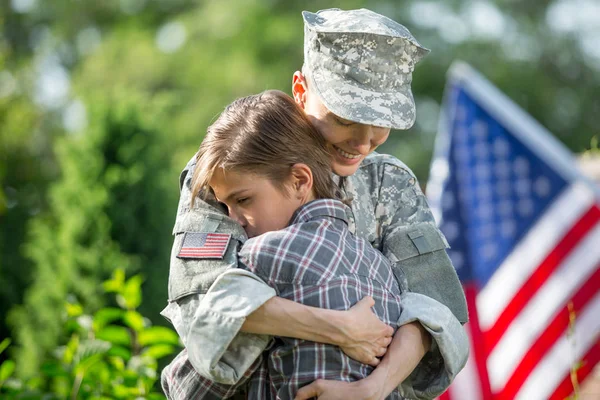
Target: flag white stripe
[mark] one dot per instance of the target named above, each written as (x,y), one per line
(531,251)
(537,314)
(466,384)
(557,363)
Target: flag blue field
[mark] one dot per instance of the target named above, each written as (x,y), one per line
(524,228)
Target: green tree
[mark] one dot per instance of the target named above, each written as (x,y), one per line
(106,212)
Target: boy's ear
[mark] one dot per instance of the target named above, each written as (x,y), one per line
(299,88)
(302,181)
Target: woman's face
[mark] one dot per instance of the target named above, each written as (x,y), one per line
(351,141)
(253,201)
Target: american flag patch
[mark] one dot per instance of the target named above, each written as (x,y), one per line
(201,245)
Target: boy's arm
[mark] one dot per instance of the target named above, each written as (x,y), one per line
(427,352)
(231,326)
(212,299)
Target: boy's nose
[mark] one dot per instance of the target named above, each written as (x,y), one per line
(238,218)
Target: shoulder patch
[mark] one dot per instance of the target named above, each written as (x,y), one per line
(203,245)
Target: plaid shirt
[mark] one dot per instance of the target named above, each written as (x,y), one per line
(315,261)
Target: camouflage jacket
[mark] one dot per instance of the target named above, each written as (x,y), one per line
(209,299)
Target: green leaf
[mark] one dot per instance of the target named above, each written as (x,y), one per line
(134,320)
(117,362)
(91,348)
(6,369)
(87,363)
(105,316)
(74,309)
(132,292)
(158,351)
(158,335)
(115,284)
(52,369)
(120,351)
(115,335)
(4,344)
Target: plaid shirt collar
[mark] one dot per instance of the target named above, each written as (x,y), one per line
(320,208)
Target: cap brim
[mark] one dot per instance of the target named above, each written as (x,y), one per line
(352,102)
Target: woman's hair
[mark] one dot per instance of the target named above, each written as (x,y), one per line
(265,134)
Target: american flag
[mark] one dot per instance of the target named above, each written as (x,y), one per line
(201,245)
(523,226)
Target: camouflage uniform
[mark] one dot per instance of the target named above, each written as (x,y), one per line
(362,72)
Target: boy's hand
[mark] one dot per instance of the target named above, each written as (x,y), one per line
(336,390)
(364,336)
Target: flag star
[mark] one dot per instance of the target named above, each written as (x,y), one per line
(462,154)
(525,207)
(450,229)
(502,169)
(481,151)
(487,231)
(480,130)
(484,192)
(457,259)
(523,187)
(485,211)
(505,208)
(483,172)
(489,251)
(508,228)
(461,113)
(541,186)
(501,148)
(521,166)
(448,202)
(503,188)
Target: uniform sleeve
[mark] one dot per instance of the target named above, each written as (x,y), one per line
(216,348)
(411,240)
(212,297)
(433,294)
(449,349)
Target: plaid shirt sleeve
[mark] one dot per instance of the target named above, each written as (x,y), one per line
(317,262)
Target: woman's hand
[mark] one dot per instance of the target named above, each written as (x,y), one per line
(321,389)
(364,336)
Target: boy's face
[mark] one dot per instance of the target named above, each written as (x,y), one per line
(253,201)
(351,141)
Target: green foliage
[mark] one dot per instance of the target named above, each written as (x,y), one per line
(111,354)
(104,214)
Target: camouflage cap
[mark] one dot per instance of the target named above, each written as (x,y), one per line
(360,64)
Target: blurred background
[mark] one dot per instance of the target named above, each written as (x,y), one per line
(102,103)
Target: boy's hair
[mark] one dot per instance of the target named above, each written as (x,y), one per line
(265,134)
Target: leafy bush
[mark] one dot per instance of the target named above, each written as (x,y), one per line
(111,354)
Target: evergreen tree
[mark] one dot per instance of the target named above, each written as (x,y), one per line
(107,211)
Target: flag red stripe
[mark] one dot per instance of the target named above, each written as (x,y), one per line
(541,275)
(548,338)
(445,396)
(201,252)
(212,246)
(478,352)
(589,361)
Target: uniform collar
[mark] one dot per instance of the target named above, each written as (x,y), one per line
(320,208)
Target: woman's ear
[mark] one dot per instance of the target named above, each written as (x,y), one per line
(302,182)
(299,88)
